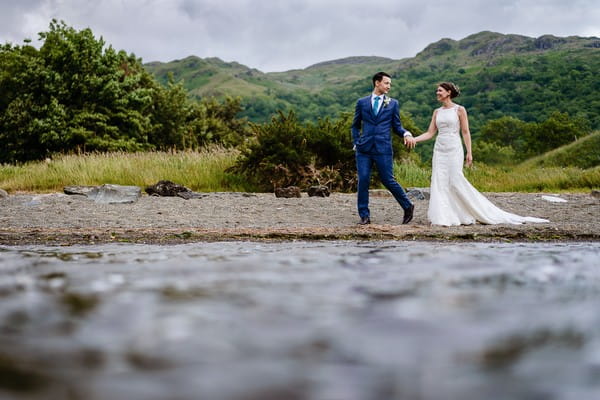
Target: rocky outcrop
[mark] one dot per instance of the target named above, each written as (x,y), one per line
(548,42)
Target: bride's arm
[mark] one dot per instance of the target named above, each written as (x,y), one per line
(430,131)
(464,126)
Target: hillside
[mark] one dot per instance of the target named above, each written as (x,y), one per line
(212,77)
(583,153)
(500,75)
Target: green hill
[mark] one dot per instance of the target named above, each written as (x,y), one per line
(500,75)
(212,77)
(583,153)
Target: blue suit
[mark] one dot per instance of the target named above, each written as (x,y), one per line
(372,136)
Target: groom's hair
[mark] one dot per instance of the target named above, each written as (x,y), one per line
(379,76)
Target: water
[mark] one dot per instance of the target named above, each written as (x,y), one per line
(301,320)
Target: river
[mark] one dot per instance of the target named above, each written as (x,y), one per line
(301,320)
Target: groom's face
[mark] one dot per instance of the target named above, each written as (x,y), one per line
(383,86)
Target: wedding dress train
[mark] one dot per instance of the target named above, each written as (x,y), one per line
(454,201)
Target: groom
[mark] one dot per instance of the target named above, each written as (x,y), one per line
(375,117)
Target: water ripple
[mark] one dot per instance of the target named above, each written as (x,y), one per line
(301,320)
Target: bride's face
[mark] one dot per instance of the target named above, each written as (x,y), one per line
(442,94)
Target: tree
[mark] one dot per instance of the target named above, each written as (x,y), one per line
(77,94)
(559,129)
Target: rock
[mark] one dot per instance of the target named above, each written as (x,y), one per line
(3,194)
(554,199)
(106,194)
(78,189)
(166,188)
(288,192)
(418,194)
(319,190)
(596,194)
(115,194)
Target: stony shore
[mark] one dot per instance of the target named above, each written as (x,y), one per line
(57,218)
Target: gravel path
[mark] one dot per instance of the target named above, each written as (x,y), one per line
(69,219)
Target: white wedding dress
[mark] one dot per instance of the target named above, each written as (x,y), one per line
(454,201)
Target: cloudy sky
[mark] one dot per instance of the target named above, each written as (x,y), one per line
(279,35)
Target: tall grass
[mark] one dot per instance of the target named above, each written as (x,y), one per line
(202,171)
(205,171)
(510,179)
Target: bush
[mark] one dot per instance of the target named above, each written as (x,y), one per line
(493,154)
(286,152)
(76,95)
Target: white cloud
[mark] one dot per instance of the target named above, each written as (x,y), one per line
(274,35)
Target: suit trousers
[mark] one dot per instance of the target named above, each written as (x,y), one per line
(384,164)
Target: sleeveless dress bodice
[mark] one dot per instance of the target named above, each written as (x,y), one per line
(453,200)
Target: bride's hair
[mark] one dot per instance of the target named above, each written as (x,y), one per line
(452,88)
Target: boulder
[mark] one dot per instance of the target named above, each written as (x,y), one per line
(596,194)
(115,194)
(166,188)
(78,189)
(3,194)
(319,191)
(288,192)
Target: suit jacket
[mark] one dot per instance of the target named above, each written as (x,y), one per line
(373,133)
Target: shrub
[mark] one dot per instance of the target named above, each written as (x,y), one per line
(286,152)
(493,154)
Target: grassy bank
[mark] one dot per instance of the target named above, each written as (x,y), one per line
(204,171)
(511,179)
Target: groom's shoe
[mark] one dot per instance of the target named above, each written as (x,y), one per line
(408,214)
(364,221)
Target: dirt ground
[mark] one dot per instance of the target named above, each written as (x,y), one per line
(57,218)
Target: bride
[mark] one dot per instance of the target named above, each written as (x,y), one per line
(454,201)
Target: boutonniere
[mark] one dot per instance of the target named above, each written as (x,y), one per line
(386,101)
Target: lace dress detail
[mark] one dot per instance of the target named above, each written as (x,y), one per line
(454,201)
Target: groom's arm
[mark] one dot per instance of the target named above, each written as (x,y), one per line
(356,123)
(397,124)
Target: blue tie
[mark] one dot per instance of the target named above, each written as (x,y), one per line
(376,105)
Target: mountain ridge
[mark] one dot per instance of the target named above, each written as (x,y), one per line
(526,77)
(497,41)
